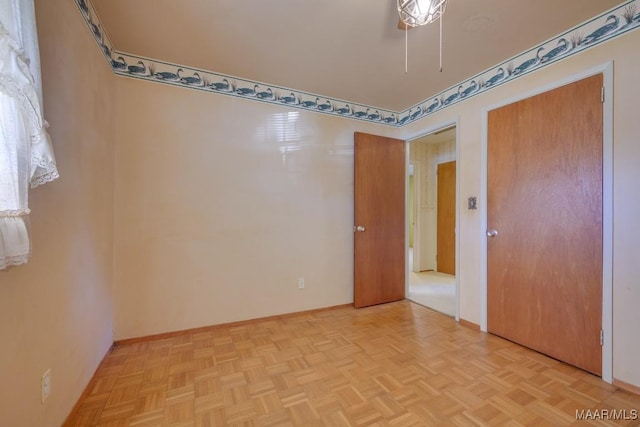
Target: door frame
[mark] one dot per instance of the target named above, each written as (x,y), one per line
(417,227)
(422,133)
(606,70)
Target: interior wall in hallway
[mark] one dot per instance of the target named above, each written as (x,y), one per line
(428,154)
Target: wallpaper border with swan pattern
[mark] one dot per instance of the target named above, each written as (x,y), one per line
(606,26)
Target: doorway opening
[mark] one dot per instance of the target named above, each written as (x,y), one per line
(432,220)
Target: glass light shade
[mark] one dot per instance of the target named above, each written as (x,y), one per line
(420,12)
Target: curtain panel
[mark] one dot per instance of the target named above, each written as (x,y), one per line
(26,154)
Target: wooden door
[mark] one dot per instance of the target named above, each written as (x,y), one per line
(446,218)
(544,267)
(379,207)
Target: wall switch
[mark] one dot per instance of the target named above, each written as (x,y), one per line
(45,384)
(301,283)
(472,203)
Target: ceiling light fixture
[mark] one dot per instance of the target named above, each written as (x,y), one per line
(420,12)
(414,13)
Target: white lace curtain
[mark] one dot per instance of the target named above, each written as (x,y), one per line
(26,155)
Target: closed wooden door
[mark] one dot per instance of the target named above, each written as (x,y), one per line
(544,266)
(446,218)
(379,218)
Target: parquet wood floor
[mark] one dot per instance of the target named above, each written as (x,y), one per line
(397,364)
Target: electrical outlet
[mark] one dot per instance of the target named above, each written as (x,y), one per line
(301,283)
(45,384)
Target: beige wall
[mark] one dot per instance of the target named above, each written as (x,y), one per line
(56,311)
(221,204)
(626,235)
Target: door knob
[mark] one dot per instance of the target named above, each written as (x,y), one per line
(492,233)
(360,228)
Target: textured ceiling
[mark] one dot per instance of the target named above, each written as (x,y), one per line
(350,50)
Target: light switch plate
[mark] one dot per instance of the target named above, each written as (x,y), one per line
(472,203)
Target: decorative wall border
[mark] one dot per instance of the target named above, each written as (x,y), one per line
(606,26)
(609,25)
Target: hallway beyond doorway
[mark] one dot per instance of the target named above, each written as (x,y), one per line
(432,289)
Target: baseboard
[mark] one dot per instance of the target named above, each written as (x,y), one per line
(201,329)
(626,386)
(469,325)
(86,390)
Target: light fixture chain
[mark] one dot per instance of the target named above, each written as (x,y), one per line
(441,19)
(406,48)
(414,13)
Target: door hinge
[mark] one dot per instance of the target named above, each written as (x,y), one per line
(602,94)
(601,336)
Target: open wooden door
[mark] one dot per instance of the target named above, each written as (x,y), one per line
(446,218)
(544,214)
(379,220)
